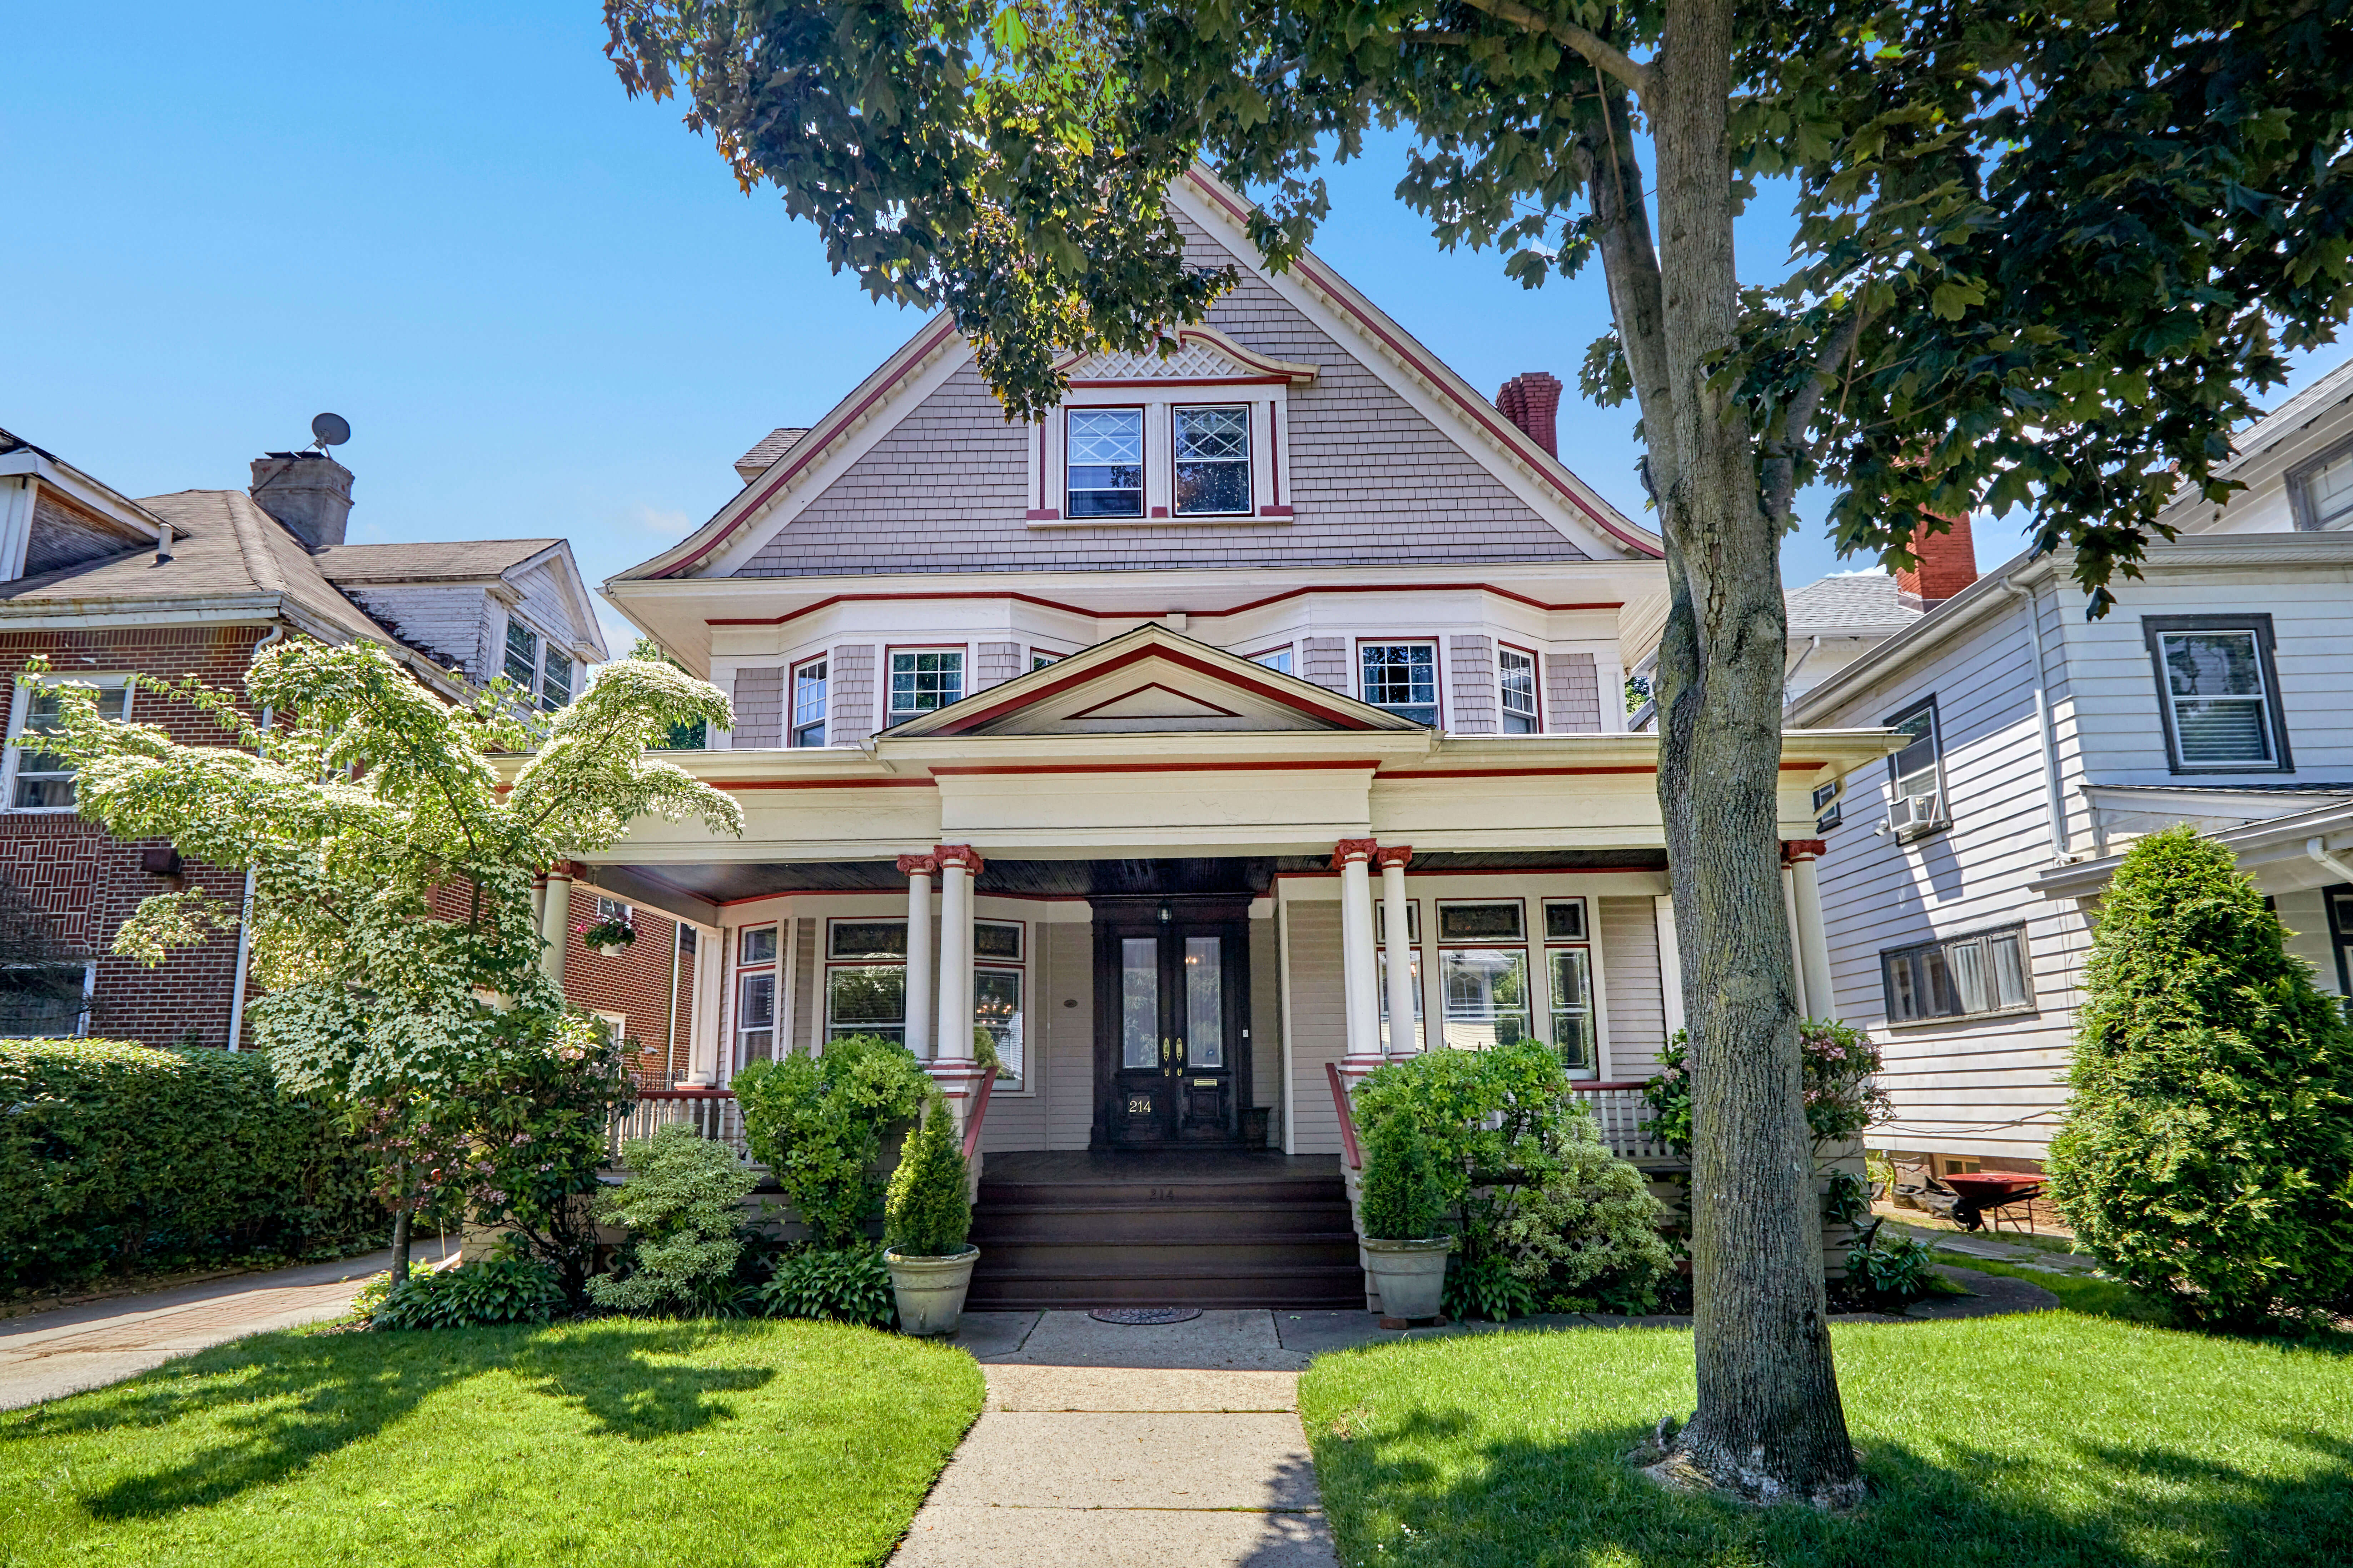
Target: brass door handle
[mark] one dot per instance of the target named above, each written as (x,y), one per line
(1181,1053)
(1164,1058)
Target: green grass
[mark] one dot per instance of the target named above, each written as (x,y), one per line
(604,1442)
(2076,1293)
(2016,1442)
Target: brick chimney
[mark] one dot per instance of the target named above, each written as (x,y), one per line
(1532,402)
(310,492)
(1946,563)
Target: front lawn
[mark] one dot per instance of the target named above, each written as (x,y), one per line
(610,1442)
(2013,1442)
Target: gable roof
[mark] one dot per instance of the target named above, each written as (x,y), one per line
(1858,603)
(1155,681)
(2289,417)
(1509,457)
(429,561)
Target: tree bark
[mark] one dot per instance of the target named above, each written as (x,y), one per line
(1769,1425)
(400,1207)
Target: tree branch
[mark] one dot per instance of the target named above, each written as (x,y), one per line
(1605,55)
(1780,464)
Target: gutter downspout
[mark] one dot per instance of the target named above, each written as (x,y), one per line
(244,911)
(2046,731)
(1789,676)
(2317,849)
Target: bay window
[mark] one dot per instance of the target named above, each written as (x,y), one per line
(755,995)
(1568,966)
(1402,677)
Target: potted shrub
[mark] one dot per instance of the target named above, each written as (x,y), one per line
(1404,1202)
(610,937)
(925,1219)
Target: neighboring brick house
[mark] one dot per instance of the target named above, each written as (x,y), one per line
(194,583)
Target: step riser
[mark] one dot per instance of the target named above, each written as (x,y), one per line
(1149,1228)
(1000,1257)
(1161,1195)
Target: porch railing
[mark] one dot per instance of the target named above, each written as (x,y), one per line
(712,1112)
(1619,1113)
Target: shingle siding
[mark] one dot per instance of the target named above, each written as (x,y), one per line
(995,663)
(1572,693)
(759,708)
(1373,482)
(852,673)
(1325,663)
(1473,662)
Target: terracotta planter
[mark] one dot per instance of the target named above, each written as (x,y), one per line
(930,1290)
(1410,1275)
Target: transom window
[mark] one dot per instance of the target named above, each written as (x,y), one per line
(1956,977)
(1106,462)
(1402,677)
(1517,672)
(2218,690)
(808,704)
(924,681)
(1213,461)
(45,781)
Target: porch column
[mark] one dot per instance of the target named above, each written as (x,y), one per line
(918,870)
(952,1066)
(1813,935)
(555,921)
(1399,947)
(705,1008)
(1359,963)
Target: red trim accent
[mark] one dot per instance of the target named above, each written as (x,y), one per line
(825,784)
(1401,776)
(1160,511)
(1043,514)
(1015,598)
(1174,655)
(979,1112)
(962,854)
(1156,686)
(1347,1122)
(1325,766)
(1274,512)
(1494,871)
(1349,849)
(914,865)
(1795,849)
(817,440)
(1509,434)
(1392,855)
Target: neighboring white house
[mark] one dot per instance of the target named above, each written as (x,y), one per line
(1960,878)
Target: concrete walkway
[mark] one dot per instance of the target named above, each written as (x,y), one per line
(1174,1446)
(64,1350)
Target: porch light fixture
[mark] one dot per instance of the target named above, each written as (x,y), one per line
(1164,914)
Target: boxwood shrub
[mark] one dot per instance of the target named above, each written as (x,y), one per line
(115,1156)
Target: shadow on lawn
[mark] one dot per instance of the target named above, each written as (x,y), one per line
(263,1408)
(1524,1505)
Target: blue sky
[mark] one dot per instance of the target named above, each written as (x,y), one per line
(544,309)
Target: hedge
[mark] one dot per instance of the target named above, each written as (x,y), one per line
(115,1156)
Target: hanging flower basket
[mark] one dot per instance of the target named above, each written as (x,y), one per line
(610,938)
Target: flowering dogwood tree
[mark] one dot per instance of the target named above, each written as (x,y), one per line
(392,921)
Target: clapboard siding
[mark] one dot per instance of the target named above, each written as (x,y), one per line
(1633,990)
(1266,1020)
(1316,1020)
(1067,956)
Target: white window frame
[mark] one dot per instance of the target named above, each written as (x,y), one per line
(1286,651)
(1040,658)
(88,967)
(19,713)
(1942,816)
(890,654)
(2269,709)
(1143,445)
(1248,463)
(828,963)
(794,724)
(1266,397)
(1436,675)
(772,969)
(1018,967)
(1503,710)
(1521,945)
(1583,943)
(542,644)
(2304,504)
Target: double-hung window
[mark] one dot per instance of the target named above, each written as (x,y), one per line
(808,688)
(1516,672)
(556,680)
(1213,461)
(997,996)
(866,979)
(1277,659)
(2218,691)
(1411,948)
(1957,977)
(1482,971)
(1106,462)
(2322,490)
(1568,965)
(523,655)
(45,780)
(1916,775)
(1402,677)
(541,670)
(46,1000)
(755,995)
(925,679)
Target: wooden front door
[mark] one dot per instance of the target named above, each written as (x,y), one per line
(1172,1010)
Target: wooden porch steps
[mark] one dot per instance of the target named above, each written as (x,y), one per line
(1184,1228)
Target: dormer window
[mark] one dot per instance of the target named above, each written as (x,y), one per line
(1213,461)
(523,655)
(1106,462)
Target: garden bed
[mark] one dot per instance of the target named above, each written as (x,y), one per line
(612,1442)
(2015,1442)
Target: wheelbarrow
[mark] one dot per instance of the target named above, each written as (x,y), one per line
(1983,1192)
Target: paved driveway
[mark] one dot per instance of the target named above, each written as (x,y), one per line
(65,1351)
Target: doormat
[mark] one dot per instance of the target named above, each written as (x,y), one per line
(1145,1317)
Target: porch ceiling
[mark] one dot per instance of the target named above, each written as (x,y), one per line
(719,882)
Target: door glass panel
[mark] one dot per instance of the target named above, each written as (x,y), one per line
(1205,1012)
(1139,1001)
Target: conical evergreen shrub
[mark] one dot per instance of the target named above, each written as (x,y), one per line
(930,1209)
(2207,1156)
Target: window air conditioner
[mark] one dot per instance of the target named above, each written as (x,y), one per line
(1913,813)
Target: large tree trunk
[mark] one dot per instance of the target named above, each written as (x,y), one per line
(1769,1425)
(401,1205)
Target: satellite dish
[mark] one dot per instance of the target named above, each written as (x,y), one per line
(331,430)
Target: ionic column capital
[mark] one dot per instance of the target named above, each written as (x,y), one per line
(918,865)
(1795,849)
(963,855)
(1349,849)
(1390,855)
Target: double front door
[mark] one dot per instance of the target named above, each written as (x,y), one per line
(1171,1046)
